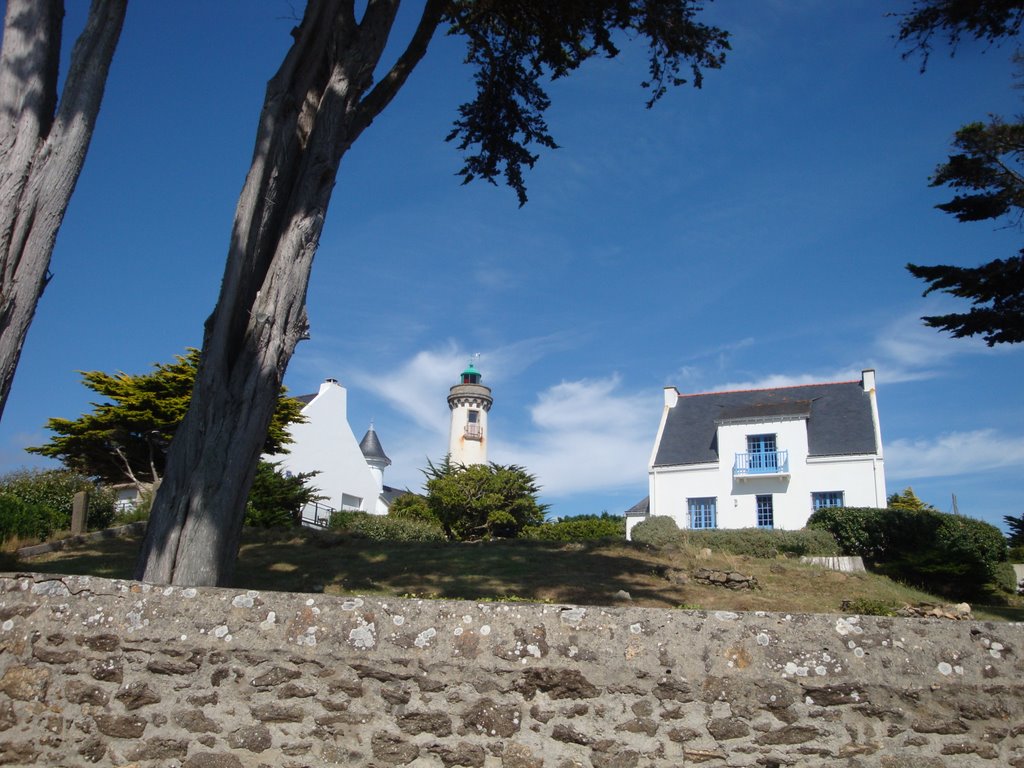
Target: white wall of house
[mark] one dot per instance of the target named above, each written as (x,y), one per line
(325,444)
(860,478)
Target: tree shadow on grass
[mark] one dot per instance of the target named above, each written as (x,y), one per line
(589,574)
(526,570)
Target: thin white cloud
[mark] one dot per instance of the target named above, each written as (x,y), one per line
(903,350)
(907,350)
(588,436)
(953,453)
(419,387)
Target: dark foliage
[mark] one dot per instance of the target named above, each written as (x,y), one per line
(986,173)
(952,555)
(39,502)
(579,528)
(276,498)
(512,45)
(482,501)
(362,525)
(125,437)
(986,20)
(1016,528)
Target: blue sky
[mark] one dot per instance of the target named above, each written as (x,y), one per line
(752,233)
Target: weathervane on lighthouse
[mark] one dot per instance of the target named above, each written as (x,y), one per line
(469,402)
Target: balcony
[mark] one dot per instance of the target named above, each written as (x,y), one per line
(474,432)
(761,464)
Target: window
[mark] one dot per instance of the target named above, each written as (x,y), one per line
(703,512)
(822,499)
(351,503)
(765,512)
(762,450)
(474,417)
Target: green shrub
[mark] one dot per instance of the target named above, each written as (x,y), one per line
(277,498)
(1006,578)
(952,555)
(856,530)
(21,520)
(412,506)
(363,525)
(656,531)
(54,490)
(581,528)
(864,606)
(764,542)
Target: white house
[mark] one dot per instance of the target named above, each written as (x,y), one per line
(765,458)
(351,474)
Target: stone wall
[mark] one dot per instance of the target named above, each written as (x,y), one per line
(116,673)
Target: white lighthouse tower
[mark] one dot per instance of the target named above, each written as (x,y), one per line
(469,401)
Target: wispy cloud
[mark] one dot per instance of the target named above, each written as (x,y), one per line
(419,387)
(953,453)
(588,435)
(906,350)
(902,350)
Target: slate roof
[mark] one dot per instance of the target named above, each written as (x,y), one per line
(641,509)
(371,447)
(390,494)
(839,421)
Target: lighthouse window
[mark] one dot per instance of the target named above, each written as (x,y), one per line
(474,417)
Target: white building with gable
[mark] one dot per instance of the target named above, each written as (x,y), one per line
(351,474)
(765,458)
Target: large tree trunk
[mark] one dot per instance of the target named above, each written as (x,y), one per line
(316,105)
(42,148)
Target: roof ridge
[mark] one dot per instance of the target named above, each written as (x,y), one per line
(766,389)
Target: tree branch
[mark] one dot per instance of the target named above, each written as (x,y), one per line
(382,94)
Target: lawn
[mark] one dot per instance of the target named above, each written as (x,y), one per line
(596,573)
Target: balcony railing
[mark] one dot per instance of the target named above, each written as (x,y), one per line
(317,515)
(474,432)
(763,463)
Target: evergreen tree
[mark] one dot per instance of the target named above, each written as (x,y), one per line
(986,171)
(125,437)
(1016,526)
(907,500)
(482,501)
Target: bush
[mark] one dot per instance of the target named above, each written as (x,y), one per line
(952,555)
(21,520)
(412,506)
(1006,579)
(482,501)
(864,606)
(656,531)
(363,525)
(856,530)
(764,543)
(581,528)
(52,492)
(277,498)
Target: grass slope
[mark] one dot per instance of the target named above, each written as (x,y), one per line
(576,573)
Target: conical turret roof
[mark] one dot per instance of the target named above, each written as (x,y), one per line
(371,447)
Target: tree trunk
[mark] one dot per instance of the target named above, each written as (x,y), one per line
(42,148)
(316,105)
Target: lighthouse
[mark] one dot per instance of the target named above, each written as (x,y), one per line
(469,402)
